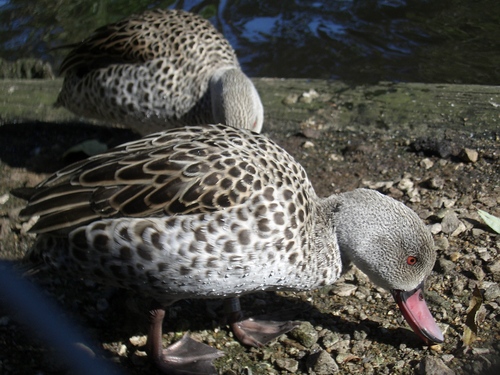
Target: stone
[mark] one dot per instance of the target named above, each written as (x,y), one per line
(494,269)
(426,163)
(343,289)
(322,363)
(288,364)
(435,228)
(450,222)
(468,155)
(305,334)
(434,366)
(492,292)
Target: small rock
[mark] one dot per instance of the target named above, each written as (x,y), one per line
(395,192)
(307,144)
(488,201)
(138,340)
(426,163)
(465,200)
(442,243)
(309,96)
(447,266)
(322,363)
(483,253)
(434,366)
(435,183)
(460,229)
(305,334)
(288,364)
(291,99)
(480,351)
(346,357)
(450,222)
(435,228)
(492,292)
(468,155)
(122,351)
(477,232)
(494,269)
(343,289)
(4,198)
(447,357)
(405,184)
(336,157)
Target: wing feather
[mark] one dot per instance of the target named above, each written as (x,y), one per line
(190,170)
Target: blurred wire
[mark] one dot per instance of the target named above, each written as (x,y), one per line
(31,309)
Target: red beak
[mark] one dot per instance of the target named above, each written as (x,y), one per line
(417,314)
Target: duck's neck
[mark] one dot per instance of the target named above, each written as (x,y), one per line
(325,254)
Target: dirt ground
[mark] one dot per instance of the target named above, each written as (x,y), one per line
(445,177)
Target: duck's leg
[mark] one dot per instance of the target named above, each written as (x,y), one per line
(186,356)
(254,332)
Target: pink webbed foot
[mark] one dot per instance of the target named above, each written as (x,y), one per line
(254,332)
(186,356)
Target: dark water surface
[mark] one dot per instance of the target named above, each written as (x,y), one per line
(448,41)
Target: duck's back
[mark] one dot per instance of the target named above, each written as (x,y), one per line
(152,69)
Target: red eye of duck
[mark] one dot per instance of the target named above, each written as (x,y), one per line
(411,260)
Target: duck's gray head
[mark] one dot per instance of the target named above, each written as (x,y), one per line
(235,100)
(387,240)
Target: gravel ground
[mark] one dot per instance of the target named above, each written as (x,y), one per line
(350,328)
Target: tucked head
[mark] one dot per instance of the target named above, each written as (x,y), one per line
(235,100)
(387,240)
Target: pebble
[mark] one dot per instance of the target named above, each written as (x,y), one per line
(309,96)
(4,198)
(405,184)
(435,228)
(460,229)
(450,222)
(492,292)
(494,269)
(434,366)
(442,243)
(447,266)
(288,364)
(290,99)
(307,144)
(336,157)
(138,340)
(468,155)
(305,334)
(447,357)
(329,339)
(343,289)
(322,363)
(435,183)
(426,163)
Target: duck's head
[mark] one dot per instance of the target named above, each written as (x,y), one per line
(387,240)
(235,100)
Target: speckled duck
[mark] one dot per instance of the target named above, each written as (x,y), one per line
(157,70)
(217,212)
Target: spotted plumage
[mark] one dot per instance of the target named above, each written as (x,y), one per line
(201,212)
(214,211)
(156,70)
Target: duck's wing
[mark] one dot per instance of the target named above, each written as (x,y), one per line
(146,36)
(189,170)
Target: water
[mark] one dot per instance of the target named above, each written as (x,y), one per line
(448,41)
